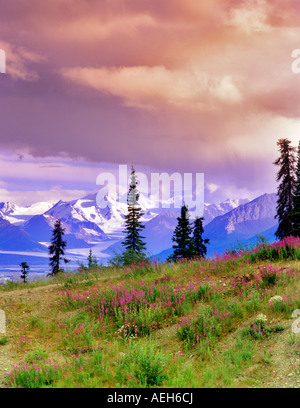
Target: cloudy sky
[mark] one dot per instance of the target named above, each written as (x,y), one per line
(166,85)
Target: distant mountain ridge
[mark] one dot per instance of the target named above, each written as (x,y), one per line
(89,223)
(19,215)
(212,211)
(240,225)
(159,230)
(246,219)
(15,238)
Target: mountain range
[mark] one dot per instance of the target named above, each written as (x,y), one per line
(241,225)
(89,223)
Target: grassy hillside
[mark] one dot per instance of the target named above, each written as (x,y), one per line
(202,323)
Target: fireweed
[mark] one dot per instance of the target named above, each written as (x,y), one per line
(212,321)
(88,367)
(287,248)
(257,330)
(286,306)
(33,375)
(152,297)
(136,308)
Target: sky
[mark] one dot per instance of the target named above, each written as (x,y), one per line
(165,85)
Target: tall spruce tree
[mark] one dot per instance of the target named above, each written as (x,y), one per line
(133,242)
(57,248)
(24,269)
(182,237)
(286,163)
(296,199)
(92,260)
(200,248)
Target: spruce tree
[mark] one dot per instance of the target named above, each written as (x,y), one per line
(183,247)
(24,269)
(92,260)
(57,248)
(296,199)
(200,248)
(285,175)
(133,242)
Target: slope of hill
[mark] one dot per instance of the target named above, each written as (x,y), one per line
(195,325)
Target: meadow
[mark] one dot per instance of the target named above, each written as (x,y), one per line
(201,323)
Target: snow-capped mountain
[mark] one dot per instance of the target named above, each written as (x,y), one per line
(74,222)
(18,215)
(98,222)
(239,225)
(108,212)
(245,220)
(243,223)
(94,220)
(212,211)
(162,226)
(88,220)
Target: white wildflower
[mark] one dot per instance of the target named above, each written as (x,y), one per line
(261,317)
(276,299)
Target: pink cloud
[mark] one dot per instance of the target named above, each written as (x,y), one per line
(206,81)
(18,59)
(148,87)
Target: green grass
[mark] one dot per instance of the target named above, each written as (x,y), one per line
(190,324)
(4,340)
